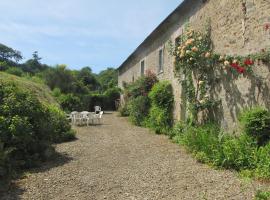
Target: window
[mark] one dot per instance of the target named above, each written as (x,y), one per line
(142,67)
(160,60)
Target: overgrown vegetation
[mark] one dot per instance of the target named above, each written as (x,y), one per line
(211,145)
(161,116)
(28,127)
(149,103)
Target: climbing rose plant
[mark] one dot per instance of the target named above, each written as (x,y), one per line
(195,63)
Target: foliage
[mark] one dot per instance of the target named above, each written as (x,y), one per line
(31,85)
(210,145)
(15,71)
(138,108)
(88,79)
(141,87)
(59,77)
(107,79)
(69,102)
(256,122)
(194,65)
(27,128)
(161,95)
(263,162)
(160,116)
(123,110)
(34,65)
(262,195)
(7,53)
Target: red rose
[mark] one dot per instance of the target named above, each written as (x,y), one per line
(234,65)
(241,70)
(249,62)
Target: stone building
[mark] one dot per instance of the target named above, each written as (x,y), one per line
(238,27)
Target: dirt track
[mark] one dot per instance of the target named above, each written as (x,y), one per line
(119,161)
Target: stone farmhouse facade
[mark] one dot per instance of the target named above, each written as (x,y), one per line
(238,27)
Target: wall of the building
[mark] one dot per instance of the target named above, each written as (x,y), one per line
(237,28)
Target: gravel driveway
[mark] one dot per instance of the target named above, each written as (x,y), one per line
(119,161)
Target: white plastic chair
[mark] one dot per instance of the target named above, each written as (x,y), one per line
(90,117)
(98,116)
(73,117)
(78,119)
(97,109)
(84,116)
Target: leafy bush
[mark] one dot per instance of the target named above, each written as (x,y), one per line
(138,109)
(256,122)
(27,128)
(160,116)
(161,95)
(123,110)
(69,102)
(141,87)
(159,120)
(15,71)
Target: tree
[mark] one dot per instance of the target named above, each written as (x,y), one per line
(34,65)
(60,77)
(7,53)
(108,78)
(88,78)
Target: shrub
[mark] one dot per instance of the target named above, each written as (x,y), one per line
(161,95)
(123,110)
(141,87)
(256,122)
(58,125)
(27,128)
(69,102)
(15,71)
(160,116)
(159,120)
(138,109)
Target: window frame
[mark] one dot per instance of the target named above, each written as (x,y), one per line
(161,60)
(142,67)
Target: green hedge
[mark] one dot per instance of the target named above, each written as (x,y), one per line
(27,128)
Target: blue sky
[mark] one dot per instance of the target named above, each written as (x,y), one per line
(95,33)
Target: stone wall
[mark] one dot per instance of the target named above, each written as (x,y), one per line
(238,27)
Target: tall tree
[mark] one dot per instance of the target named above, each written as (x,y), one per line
(9,54)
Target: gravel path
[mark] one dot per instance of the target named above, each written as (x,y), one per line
(119,161)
